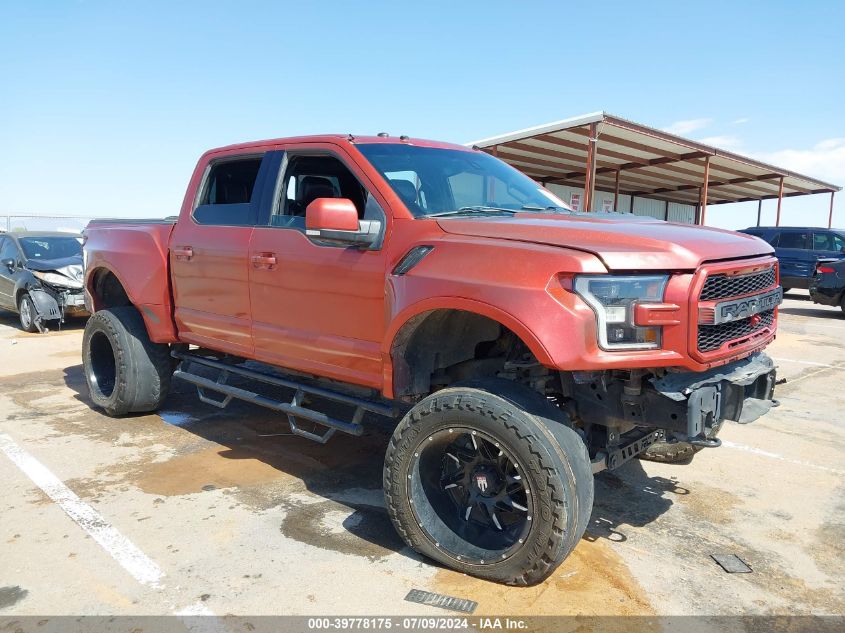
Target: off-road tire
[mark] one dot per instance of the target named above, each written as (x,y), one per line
(138,380)
(556,468)
(26,306)
(842,303)
(675,453)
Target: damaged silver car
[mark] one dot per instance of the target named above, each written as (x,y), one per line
(41,277)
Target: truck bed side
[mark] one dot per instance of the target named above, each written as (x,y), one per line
(126,262)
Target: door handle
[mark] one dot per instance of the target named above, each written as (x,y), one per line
(264,260)
(183,252)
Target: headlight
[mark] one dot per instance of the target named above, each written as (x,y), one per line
(55,279)
(613,299)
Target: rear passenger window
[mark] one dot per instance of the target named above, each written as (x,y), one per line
(793,240)
(227,193)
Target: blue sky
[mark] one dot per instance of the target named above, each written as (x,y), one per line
(105,106)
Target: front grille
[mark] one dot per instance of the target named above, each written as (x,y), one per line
(724,286)
(712,337)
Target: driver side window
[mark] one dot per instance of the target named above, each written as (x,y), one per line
(310,177)
(8,250)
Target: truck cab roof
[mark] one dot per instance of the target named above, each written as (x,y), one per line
(338,139)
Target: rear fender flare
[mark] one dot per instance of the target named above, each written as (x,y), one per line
(157,318)
(91,278)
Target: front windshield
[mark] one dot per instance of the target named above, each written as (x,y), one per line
(436,181)
(51,247)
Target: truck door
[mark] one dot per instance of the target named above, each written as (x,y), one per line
(793,253)
(209,255)
(8,253)
(317,307)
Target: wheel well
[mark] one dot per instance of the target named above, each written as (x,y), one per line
(439,347)
(108,292)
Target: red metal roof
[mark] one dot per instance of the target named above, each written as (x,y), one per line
(650,163)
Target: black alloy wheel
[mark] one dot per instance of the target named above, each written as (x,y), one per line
(488,478)
(480,507)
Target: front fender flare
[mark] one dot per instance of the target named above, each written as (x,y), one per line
(455,303)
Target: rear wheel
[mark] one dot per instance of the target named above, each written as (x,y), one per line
(842,303)
(478,481)
(125,371)
(27,313)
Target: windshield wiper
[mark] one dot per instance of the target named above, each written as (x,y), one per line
(537,207)
(469,211)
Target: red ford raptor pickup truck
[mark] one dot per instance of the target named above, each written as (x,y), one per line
(521,347)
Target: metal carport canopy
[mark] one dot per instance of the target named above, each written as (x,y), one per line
(602,151)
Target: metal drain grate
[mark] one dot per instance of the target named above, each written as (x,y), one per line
(441,601)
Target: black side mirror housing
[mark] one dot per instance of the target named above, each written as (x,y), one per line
(11,264)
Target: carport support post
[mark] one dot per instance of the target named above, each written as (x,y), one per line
(759,210)
(616,192)
(590,178)
(780,201)
(702,203)
(830,215)
(491,186)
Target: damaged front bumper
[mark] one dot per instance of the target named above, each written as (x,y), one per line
(55,305)
(639,408)
(697,402)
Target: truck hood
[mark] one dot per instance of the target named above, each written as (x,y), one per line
(622,242)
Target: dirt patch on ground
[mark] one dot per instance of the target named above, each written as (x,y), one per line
(711,504)
(828,551)
(592,581)
(68,353)
(216,466)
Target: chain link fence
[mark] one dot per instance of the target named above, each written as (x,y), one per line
(72,223)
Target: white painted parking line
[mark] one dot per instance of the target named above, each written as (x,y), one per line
(198,618)
(758,451)
(807,362)
(132,559)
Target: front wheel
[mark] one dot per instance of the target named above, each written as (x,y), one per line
(478,483)
(125,371)
(27,314)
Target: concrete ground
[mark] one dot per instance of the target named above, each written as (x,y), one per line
(198,510)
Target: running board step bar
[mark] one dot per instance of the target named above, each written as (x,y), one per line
(294,410)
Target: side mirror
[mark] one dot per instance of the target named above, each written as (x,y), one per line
(336,219)
(10,264)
